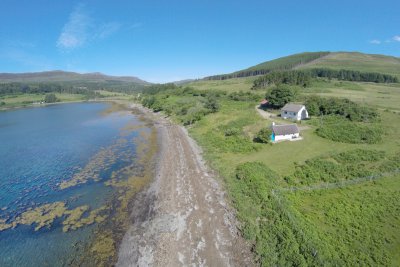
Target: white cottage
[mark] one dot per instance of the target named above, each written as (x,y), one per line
(294,111)
(284,132)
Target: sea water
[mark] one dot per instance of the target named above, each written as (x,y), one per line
(39,149)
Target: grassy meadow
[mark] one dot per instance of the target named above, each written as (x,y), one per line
(341,218)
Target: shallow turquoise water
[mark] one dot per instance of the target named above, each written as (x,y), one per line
(41,147)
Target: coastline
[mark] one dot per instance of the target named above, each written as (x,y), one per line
(63,102)
(43,105)
(171,209)
(102,250)
(181,217)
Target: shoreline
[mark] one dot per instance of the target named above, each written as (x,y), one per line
(62,102)
(102,249)
(181,217)
(42,105)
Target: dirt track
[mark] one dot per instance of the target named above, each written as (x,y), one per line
(182,219)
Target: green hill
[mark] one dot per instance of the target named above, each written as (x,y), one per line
(66,76)
(331,60)
(357,61)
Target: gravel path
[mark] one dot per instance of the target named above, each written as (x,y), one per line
(182,219)
(264,114)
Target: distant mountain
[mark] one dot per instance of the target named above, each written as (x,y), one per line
(66,76)
(331,60)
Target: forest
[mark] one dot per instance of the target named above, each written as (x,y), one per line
(280,64)
(304,77)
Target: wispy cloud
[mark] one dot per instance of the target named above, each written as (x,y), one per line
(135,25)
(396,38)
(107,29)
(81,29)
(375,41)
(76,30)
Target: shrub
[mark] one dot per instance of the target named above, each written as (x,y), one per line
(50,98)
(243,96)
(349,165)
(263,136)
(212,104)
(281,95)
(343,107)
(339,129)
(279,234)
(232,131)
(194,114)
(358,155)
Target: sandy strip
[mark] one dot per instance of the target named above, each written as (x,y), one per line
(182,219)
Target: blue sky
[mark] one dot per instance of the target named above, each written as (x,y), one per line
(162,41)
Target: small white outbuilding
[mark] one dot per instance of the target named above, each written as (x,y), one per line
(284,132)
(294,111)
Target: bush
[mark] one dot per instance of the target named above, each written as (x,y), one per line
(281,95)
(244,96)
(358,155)
(194,114)
(153,103)
(263,136)
(50,98)
(338,129)
(212,104)
(349,165)
(343,107)
(279,234)
(232,131)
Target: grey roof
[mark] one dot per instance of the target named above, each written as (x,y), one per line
(292,107)
(285,129)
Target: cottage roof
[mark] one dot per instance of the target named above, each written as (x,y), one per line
(264,102)
(292,107)
(285,129)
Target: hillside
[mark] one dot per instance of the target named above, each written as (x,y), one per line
(331,60)
(65,76)
(357,61)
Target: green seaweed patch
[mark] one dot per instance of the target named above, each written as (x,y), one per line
(4,225)
(128,181)
(44,216)
(102,160)
(74,216)
(115,107)
(104,248)
(75,220)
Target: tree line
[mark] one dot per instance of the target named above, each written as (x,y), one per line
(279,64)
(304,77)
(67,87)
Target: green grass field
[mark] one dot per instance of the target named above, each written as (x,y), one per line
(382,96)
(231,85)
(357,224)
(21,100)
(28,99)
